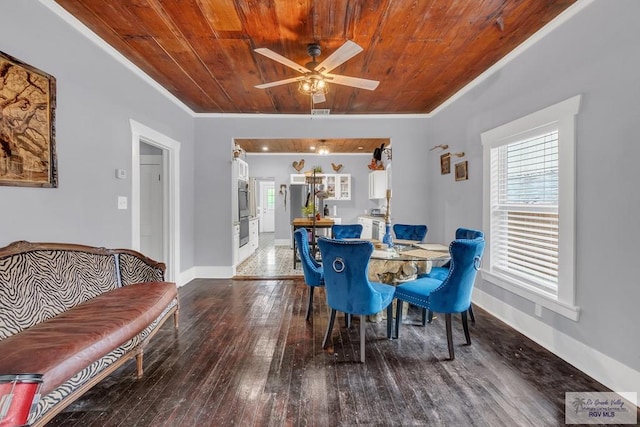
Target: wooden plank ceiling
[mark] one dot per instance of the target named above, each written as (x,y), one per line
(308,145)
(421,52)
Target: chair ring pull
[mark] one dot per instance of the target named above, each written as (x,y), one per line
(477,262)
(340,265)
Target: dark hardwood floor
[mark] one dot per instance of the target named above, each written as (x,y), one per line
(244,356)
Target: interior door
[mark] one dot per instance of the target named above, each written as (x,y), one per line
(151,227)
(267,204)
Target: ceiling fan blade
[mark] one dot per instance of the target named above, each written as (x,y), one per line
(279,82)
(345,52)
(352,81)
(281,59)
(318,98)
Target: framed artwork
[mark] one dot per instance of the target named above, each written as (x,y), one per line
(27,125)
(445,164)
(461,171)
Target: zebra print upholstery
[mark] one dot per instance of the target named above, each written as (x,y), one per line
(132,269)
(37,285)
(41,280)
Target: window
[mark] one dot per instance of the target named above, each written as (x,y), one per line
(271,198)
(529,210)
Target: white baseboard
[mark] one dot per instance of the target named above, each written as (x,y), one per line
(613,374)
(186,276)
(214,272)
(282,242)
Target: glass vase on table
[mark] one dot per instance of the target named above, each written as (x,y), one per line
(387,239)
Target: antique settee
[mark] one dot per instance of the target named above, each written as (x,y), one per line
(75,313)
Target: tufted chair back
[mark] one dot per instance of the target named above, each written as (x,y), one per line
(410,232)
(468,233)
(454,294)
(346,266)
(346,231)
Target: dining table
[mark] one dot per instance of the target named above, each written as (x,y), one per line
(405,260)
(402,262)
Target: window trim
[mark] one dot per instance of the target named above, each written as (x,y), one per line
(563,115)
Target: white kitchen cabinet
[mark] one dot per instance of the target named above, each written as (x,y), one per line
(236,244)
(339,185)
(297,178)
(245,251)
(367,227)
(336,184)
(241,169)
(377,184)
(253,234)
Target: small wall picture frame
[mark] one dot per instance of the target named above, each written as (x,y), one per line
(445,163)
(461,171)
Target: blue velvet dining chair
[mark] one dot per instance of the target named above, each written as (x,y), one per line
(346,264)
(346,231)
(448,296)
(410,232)
(312,269)
(442,272)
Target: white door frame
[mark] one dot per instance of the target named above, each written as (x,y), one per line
(171,196)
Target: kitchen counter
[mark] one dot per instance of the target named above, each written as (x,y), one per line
(309,222)
(373,217)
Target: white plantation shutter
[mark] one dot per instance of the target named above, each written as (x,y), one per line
(524,209)
(528,201)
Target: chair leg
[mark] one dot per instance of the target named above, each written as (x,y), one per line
(398,317)
(363,320)
(327,335)
(310,305)
(389,320)
(447,318)
(465,326)
(473,318)
(424,317)
(430,316)
(347,320)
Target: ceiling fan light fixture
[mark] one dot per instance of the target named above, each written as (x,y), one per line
(313,85)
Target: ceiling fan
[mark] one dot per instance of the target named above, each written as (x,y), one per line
(315,76)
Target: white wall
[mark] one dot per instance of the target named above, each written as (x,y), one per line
(96,97)
(597,54)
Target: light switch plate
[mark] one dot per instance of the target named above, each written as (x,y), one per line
(122,202)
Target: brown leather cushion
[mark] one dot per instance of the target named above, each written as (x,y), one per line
(69,342)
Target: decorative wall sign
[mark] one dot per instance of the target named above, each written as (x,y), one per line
(27,125)
(461,171)
(445,163)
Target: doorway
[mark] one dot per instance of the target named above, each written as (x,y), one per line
(267,206)
(163,238)
(152,203)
